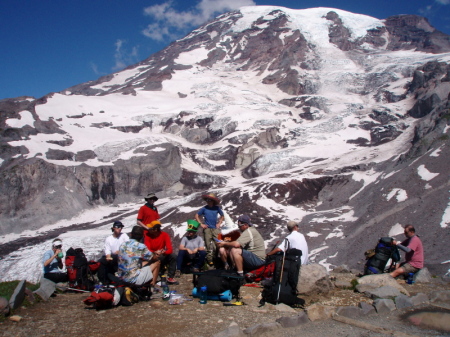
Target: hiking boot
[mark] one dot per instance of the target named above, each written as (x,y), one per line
(171,280)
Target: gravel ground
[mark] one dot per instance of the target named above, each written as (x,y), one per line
(66,315)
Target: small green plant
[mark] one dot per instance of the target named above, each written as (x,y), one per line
(7,288)
(354,283)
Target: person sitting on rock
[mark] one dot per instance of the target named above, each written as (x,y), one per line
(247,252)
(159,243)
(414,253)
(136,264)
(53,264)
(108,262)
(191,254)
(296,240)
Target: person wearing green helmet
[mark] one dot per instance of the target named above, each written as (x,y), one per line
(191,254)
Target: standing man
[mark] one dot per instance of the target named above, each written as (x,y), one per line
(207,216)
(53,265)
(108,262)
(148,212)
(414,253)
(136,263)
(248,251)
(192,249)
(159,243)
(296,240)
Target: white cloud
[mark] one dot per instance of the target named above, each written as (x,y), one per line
(170,23)
(443,2)
(122,57)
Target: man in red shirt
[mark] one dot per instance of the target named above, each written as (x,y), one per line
(414,253)
(148,212)
(159,243)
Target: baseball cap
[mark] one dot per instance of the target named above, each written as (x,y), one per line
(245,219)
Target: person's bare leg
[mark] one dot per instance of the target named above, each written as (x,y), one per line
(223,253)
(238,261)
(397,272)
(154,267)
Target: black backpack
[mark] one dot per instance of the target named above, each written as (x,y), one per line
(80,276)
(378,258)
(282,288)
(217,281)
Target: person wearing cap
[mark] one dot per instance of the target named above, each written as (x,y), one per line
(108,262)
(160,244)
(210,218)
(296,240)
(148,212)
(137,264)
(53,264)
(247,252)
(192,249)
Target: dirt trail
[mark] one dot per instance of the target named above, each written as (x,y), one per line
(66,315)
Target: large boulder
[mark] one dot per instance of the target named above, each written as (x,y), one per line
(382,280)
(314,278)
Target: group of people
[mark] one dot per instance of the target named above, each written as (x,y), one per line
(138,259)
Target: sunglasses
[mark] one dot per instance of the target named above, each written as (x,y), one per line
(58,247)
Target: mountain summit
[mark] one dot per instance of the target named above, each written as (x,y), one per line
(333,119)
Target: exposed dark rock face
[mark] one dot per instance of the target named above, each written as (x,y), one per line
(338,33)
(414,32)
(34,192)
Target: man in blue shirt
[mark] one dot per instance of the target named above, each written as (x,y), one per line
(210,218)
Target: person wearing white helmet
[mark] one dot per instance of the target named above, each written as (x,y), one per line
(53,264)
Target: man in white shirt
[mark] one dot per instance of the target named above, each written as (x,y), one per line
(296,240)
(109,260)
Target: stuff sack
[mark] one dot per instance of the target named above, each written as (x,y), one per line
(217,281)
(282,288)
(79,274)
(378,258)
(262,273)
(104,298)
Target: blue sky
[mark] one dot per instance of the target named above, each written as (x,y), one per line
(50,45)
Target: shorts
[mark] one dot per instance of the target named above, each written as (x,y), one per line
(408,268)
(145,276)
(251,261)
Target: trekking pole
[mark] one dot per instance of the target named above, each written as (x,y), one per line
(282,270)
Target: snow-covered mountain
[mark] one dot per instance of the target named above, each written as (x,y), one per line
(334,119)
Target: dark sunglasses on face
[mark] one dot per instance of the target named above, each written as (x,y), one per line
(58,247)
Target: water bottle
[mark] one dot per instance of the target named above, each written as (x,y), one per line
(410,279)
(60,255)
(165,288)
(203,295)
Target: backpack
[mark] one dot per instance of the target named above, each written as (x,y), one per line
(217,281)
(282,288)
(78,272)
(378,258)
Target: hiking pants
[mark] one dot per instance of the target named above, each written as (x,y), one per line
(169,261)
(197,259)
(56,277)
(209,234)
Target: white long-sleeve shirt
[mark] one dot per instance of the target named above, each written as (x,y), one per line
(112,243)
